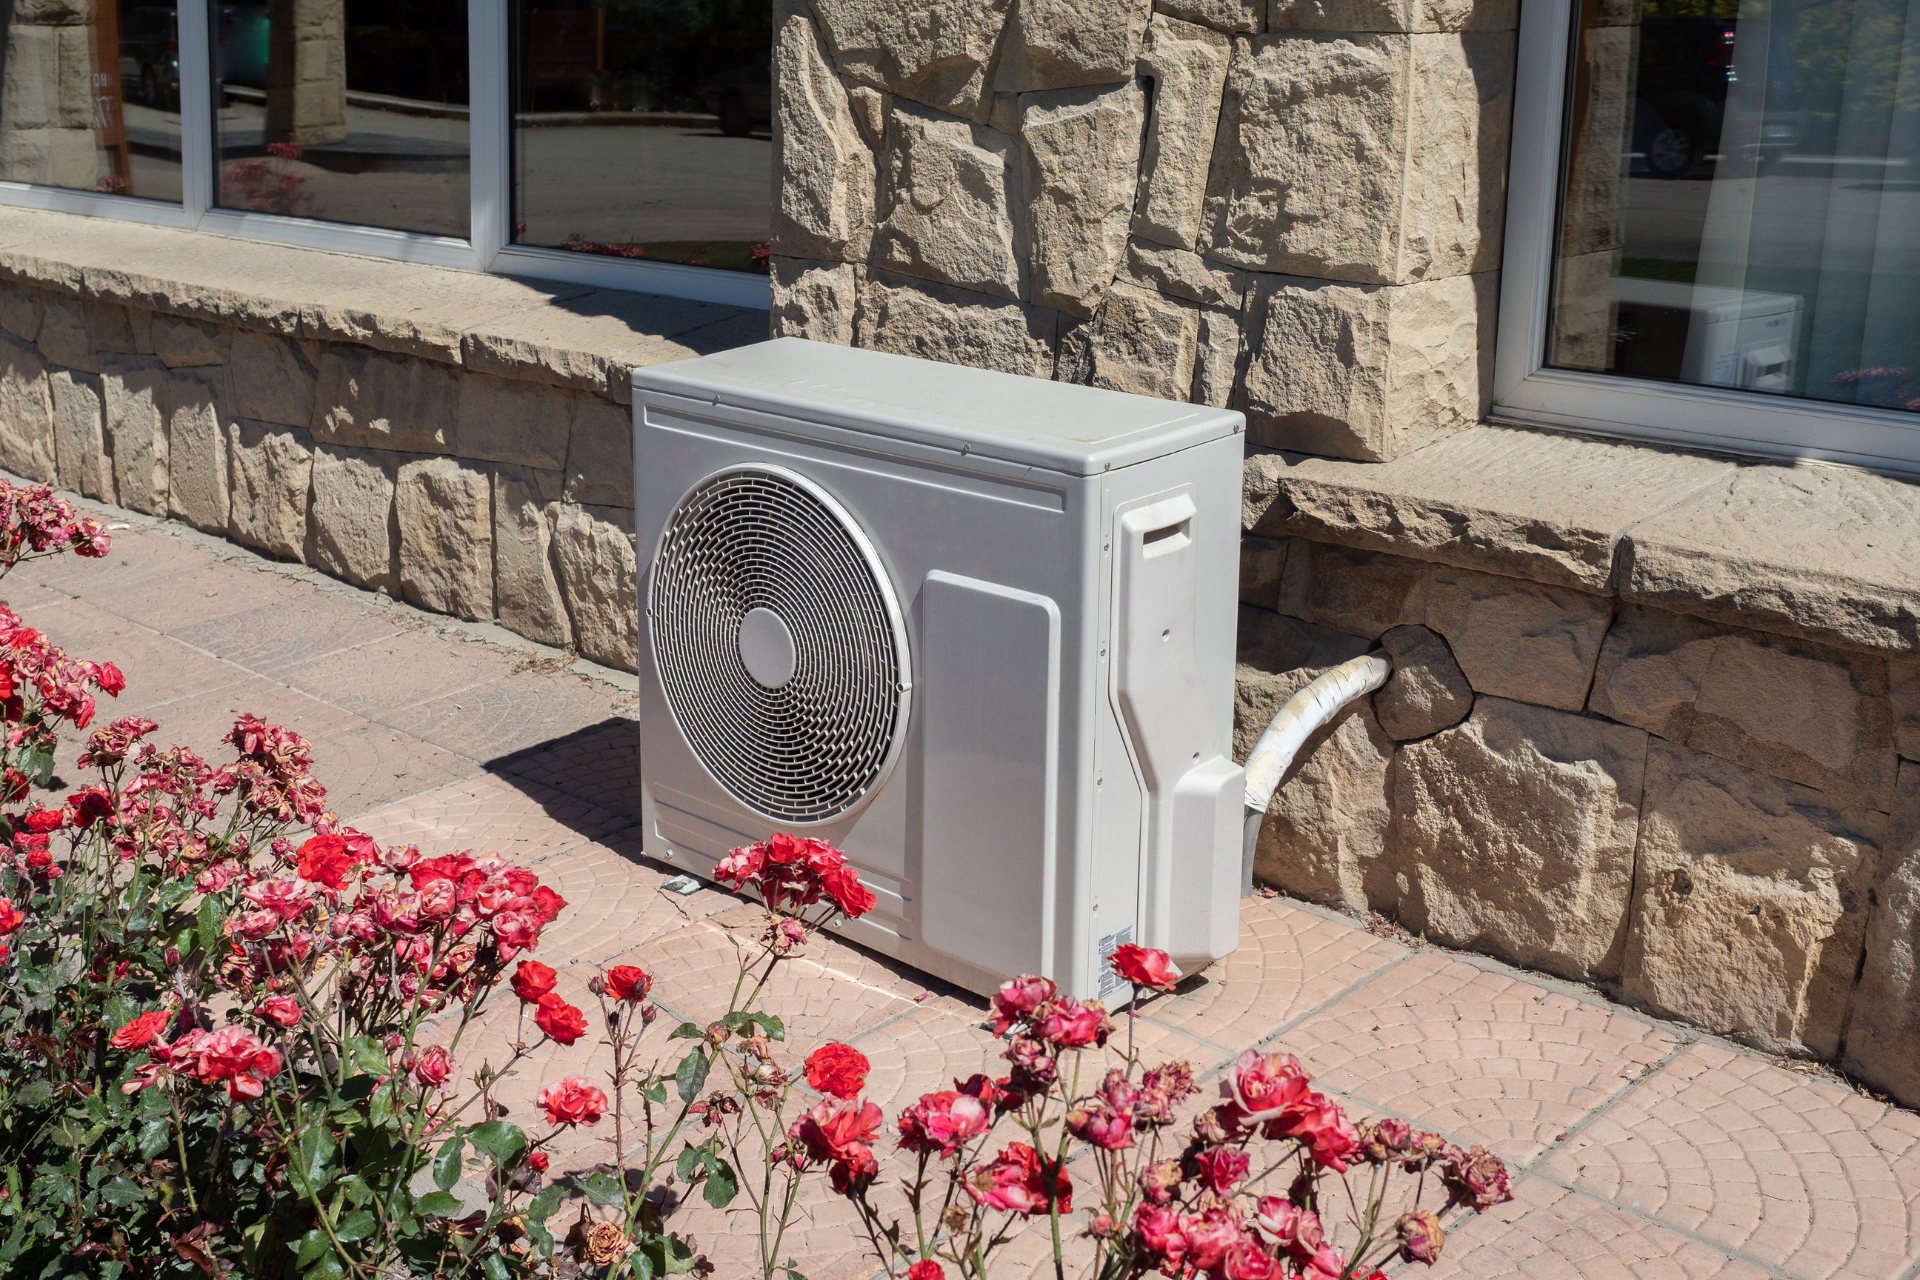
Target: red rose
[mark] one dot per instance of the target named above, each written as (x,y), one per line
(281,1011)
(573,1100)
(140,1032)
(856,1170)
(842,884)
(838,1069)
(1103,1126)
(1158,1231)
(1210,1236)
(941,1122)
(1324,1127)
(926,1269)
(624,982)
(1068,1024)
(287,899)
(538,1161)
(1264,1087)
(531,980)
(1145,967)
(1018,998)
(1248,1261)
(90,806)
(10,917)
(559,1019)
(326,860)
(237,1056)
(432,1068)
(516,931)
(41,821)
(108,680)
(548,904)
(1292,1228)
(831,1131)
(1016,1181)
(1222,1169)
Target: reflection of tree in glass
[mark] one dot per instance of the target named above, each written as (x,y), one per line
(264,187)
(1883,385)
(1848,54)
(661,54)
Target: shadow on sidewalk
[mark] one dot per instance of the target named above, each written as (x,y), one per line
(599,765)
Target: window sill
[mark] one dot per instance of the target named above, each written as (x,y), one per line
(1818,552)
(569,335)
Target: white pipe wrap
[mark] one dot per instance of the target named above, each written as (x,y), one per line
(1305,712)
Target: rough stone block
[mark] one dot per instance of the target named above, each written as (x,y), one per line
(1823,553)
(1518,639)
(824,167)
(815,300)
(1179,273)
(953,209)
(1216,365)
(1188,64)
(1427,691)
(1650,668)
(870,108)
(272,469)
(1883,1032)
(1063,44)
(1371,157)
(1751,905)
(64,339)
(272,379)
(600,454)
(1393,15)
(1367,371)
(913,318)
(931,51)
(443,508)
(1144,343)
(133,390)
(1802,712)
(1516,831)
(369,398)
(20,311)
(1274,645)
(1903,684)
(198,484)
(1526,504)
(1082,159)
(1593,214)
(1324,837)
(181,342)
(1364,593)
(1262,561)
(80,456)
(26,412)
(353,531)
(526,591)
(1241,17)
(524,423)
(1585,314)
(594,551)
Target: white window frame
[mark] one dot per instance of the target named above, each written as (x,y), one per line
(1526,390)
(490,138)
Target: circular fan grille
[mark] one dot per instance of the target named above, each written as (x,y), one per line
(757,538)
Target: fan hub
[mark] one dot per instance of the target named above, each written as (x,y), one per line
(766,647)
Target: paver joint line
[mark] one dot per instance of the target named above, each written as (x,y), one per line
(1350,989)
(1606,1104)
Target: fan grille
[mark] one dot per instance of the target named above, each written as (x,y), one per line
(812,748)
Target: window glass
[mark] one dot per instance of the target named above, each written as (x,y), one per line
(91,97)
(640,129)
(1742,197)
(347,110)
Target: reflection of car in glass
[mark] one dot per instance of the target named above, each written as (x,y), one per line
(240,55)
(743,97)
(1691,101)
(150,57)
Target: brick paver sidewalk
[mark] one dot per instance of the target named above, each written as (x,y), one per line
(1641,1148)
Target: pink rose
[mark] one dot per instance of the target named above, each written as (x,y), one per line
(281,1011)
(941,1122)
(1158,1231)
(432,1068)
(1068,1024)
(1018,998)
(1222,1169)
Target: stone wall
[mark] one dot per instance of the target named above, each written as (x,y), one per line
(1609,755)
(1291,208)
(470,494)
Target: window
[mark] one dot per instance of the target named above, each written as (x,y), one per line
(1715,235)
(618,142)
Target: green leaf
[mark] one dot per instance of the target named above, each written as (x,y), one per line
(546,1204)
(155,1134)
(641,1264)
(437,1204)
(354,1090)
(604,1188)
(493,1267)
(692,1075)
(722,1184)
(499,1139)
(446,1164)
(314,1156)
(208,924)
(365,1054)
(328,1268)
(655,1091)
(776,1029)
(356,1226)
(309,1247)
(121,1193)
(689,1163)
(687,1031)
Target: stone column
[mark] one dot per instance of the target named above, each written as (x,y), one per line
(46,107)
(1594,228)
(307,71)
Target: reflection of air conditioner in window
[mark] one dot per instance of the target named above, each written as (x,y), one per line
(1709,336)
(977,630)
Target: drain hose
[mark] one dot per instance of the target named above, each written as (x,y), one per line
(1305,712)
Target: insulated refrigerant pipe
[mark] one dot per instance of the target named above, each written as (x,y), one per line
(1305,712)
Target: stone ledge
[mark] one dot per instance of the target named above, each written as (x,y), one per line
(542,331)
(1816,552)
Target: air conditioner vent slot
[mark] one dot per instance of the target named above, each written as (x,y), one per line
(810,745)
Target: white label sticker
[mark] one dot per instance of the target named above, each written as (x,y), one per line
(1109,980)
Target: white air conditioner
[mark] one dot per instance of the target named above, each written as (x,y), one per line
(1714,336)
(977,630)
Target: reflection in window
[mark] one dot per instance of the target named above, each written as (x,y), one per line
(1742,203)
(348,110)
(92,97)
(641,129)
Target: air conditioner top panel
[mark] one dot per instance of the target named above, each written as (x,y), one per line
(1055,425)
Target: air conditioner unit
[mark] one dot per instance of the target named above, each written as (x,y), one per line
(1707,335)
(976,630)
